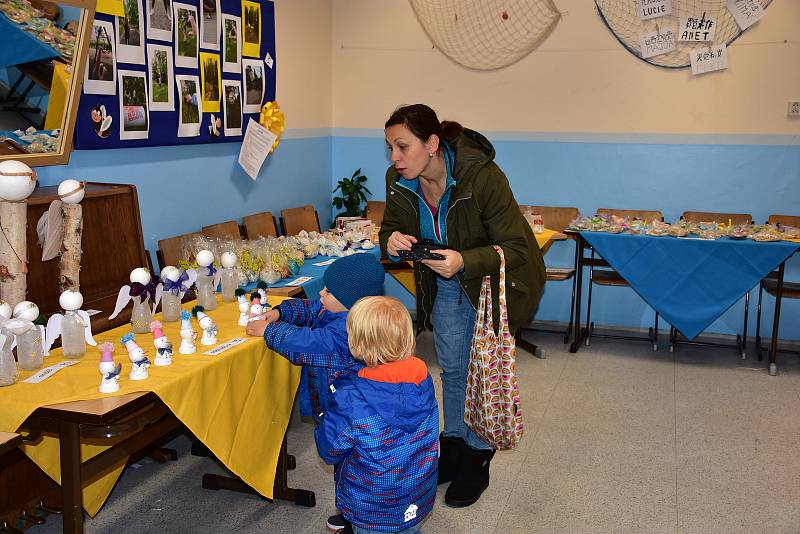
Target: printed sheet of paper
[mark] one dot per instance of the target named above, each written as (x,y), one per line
(255,148)
(709,59)
(657,43)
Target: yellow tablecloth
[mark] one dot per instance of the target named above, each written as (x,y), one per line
(544,237)
(59,88)
(238,403)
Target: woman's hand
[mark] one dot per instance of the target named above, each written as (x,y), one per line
(452,263)
(256,328)
(398,241)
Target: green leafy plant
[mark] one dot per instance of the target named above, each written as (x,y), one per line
(352,195)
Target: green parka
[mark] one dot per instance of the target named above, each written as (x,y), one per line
(481,212)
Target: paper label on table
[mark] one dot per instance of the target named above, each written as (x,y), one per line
(650,9)
(47,372)
(300,281)
(219,349)
(709,59)
(268,60)
(255,148)
(698,29)
(657,43)
(323,263)
(92,312)
(746,12)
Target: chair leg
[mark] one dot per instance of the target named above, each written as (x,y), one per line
(589,314)
(743,344)
(571,312)
(672,336)
(654,336)
(758,322)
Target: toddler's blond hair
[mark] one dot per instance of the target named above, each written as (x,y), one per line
(379,330)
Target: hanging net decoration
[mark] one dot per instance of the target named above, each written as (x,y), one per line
(486,34)
(622,18)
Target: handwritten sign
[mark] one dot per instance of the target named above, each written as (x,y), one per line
(219,349)
(47,372)
(698,29)
(650,9)
(709,59)
(657,43)
(746,12)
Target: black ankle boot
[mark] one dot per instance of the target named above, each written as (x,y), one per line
(449,457)
(471,478)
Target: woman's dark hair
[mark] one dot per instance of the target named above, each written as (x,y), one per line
(423,123)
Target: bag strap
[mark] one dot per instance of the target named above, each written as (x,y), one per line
(502,285)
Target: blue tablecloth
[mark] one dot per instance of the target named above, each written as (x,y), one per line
(20,46)
(690,282)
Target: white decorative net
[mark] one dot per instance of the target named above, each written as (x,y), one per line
(622,18)
(486,34)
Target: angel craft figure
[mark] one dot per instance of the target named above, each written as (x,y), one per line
(207,280)
(74,327)
(137,356)
(9,328)
(109,369)
(188,335)
(162,345)
(174,285)
(206,323)
(30,344)
(143,291)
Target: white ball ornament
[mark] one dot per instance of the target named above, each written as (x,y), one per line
(205,258)
(228,259)
(70,300)
(170,273)
(5,309)
(17,180)
(26,310)
(71,191)
(141,275)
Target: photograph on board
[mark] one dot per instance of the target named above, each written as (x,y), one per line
(130,34)
(253,77)
(251,23)
(232,97)
(134,119)
(211,78)
(159,67)
(231,44)
(191,108)
(159,19)
(209,24)
(186,35)
(100,77)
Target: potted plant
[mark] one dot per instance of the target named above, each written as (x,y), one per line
(352,196)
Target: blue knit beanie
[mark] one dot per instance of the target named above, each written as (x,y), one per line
(353,277)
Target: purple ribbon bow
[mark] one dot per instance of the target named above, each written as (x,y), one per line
(143,291)
(177,286)
(212,270)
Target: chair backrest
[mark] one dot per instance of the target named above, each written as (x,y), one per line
(227,229)
(259,225)
(293,220)
(645,215)
(785,220)
(710,216)
(554,217)
(374,211)
(170,249)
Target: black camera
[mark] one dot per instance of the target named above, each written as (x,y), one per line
(422,251)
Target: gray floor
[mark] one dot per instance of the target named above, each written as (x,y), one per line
(618,439)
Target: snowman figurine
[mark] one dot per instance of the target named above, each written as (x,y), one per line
(162,345)
(261,287)
(188,335)
(109,369)
(207,324)
(137,356)
(244,306)
(256,308)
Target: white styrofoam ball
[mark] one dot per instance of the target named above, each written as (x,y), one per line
(26,310)
(228,259)
(205,258)
(5,309)
(71,191)
(70,300)
(17,180)
(141,275)
(170,273)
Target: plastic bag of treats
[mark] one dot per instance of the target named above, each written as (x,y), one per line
(658,229)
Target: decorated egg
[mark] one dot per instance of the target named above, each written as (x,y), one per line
(26,310)
(170,273)
(205,258)
(17,180)
(5,309)
(71,191)
(228,259)
(141,275)
(70,300)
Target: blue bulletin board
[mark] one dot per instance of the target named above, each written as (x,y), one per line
(162,126)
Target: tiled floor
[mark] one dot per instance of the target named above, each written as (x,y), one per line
(619,439)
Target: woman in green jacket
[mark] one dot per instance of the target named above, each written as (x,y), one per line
(443,185)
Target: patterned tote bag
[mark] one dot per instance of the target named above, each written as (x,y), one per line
(492,408)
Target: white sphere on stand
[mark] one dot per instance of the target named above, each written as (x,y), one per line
(228,259)
(205,258)
(70,300)
(170,273)
(141,275)
(26,310)
(5,309)
(71,191)
(17,180)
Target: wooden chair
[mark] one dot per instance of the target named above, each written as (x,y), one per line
(293,220)
(558,218)
(259,225)
(170,249)
(225,230)
(710,216)
(770,282)
(606,276)
(374,211)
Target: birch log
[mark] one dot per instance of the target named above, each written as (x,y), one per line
(14,250)
(70,265)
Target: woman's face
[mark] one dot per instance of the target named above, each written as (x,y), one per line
(408,153)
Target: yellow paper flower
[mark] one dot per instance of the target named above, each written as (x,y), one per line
(273,120)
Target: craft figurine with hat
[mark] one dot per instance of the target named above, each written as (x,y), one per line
(109,369)
(207,280)
(188,335)
(30,344)
(162,345)
(244,306)
(206,323)
(74,327)
(137,357)
(352,277)
(143,290)
(261,287)
(256,308)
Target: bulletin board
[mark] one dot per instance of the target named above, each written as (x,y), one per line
(162,127)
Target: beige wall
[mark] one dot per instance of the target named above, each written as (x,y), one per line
(579,80)
(303,47)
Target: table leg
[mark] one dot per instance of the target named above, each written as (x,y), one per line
(776,321)
(577,337)
(70,449)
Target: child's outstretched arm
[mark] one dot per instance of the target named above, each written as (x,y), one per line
(318,347)
(299,312)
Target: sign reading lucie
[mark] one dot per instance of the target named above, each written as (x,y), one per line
(650,9)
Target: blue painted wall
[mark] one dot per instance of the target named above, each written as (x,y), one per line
(748,178)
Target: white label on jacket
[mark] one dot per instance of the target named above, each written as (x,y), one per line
(411,513)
